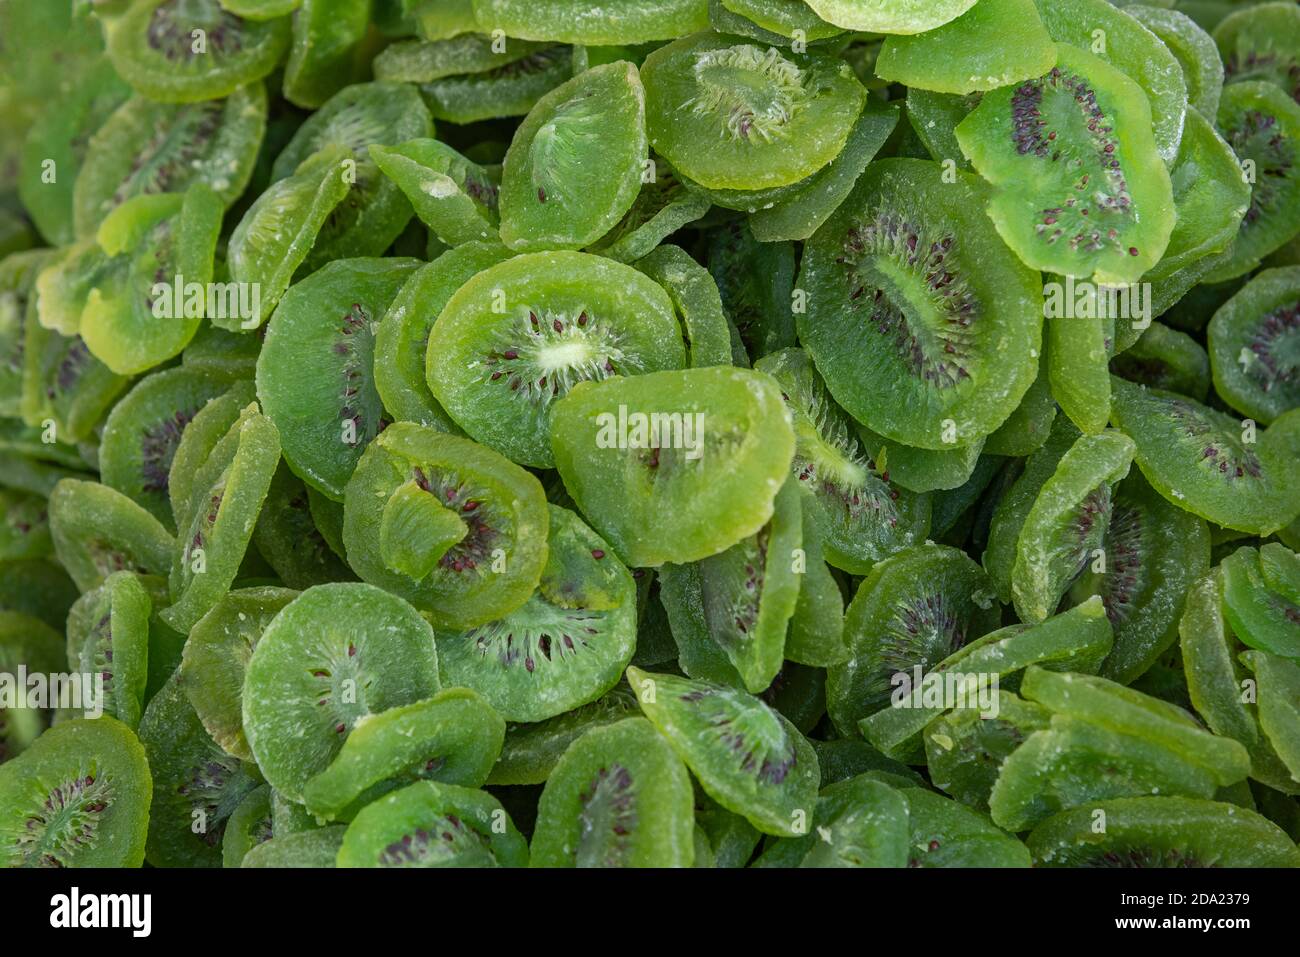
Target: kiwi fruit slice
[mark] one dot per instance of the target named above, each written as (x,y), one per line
(1279,690)
(860,822)
(1162,832)
(248,826)
(18,274)
(455,197)
(199,437)
(1213,673)
(531,749)
(154,47)
(318,848)
(98,531)
(1195,50)
(566,645)
(108,637)
(966,750)
(646,497)
(515,339)
(663,206)
(552,195)
(618,797)
(756,282)
(816,633)
(695,296)
(1252,345)
(328,51)
(150,147)
(747,756)
(1167,359)
(24,526)
(495,568)
(322,336)
(1259,43)
(512,89)
(607,22)
(1260,616)
(945,833)
(424,61)
(37,588)
(77,797)
(453,737)
(64,382)
(287,537)
(26,642)
(913,609)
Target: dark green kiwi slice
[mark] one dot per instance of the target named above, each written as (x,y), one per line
(659,492)
(1213,674)
(576,163)
(695,296)
(566,645)
(736,115)
(749,758)
(618,797)
(493,569)
(515,339)
(508,90)
(248,826)
(287,537)
(606,22)
(108,637)
(531,749)
(432,824)
(945,833)
(1261,616)
(329,658)
(317,848)
(455,197)
(78,797)
(328,51)
(965,750)
(149,147)
(24,525)
(1167,359)
(319,356)
(913,609)
(38,588)
(1210,463)
(27,642)
(98,531)
(860,822)
(756,282)
(1161,832)
(924,326)
(182,51)
(197,786)
(1259,43)
(222,353)
(453,737)
(1254,345)
(1279,690)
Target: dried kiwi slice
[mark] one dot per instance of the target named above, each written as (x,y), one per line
(910,261)
(286,536)
(1195,51)
(78,797)
(965,749)
(1261,616)
(64,382)
(431,824)
(199,438)
(1259,43)
(24,526)
(685,495)
(618,797)
(748,757)
(860,822)
(890,16)
(736,115)
(332,656)
(108,638)
(329,50)
(18,274)
(98,531)
(518,337)
(424,61)
(1167,359)
(499,563)
(182,51)
(318,848)
(566,645)
(248,826)
(1279,690)
(698,302)
(455,197)
(509,90)
(576,163)
(531,749)
(1253,345)
(947,834)
(756,282)
(26,642)
(594,23)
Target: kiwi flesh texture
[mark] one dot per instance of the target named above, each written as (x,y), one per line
(1162,832)
(594,24)
(455,197)
(328,50)
(98,531)
(108,637)
(512,89)
(531,749)
(1257,43)
(503,505)
(966,750)
(695,296)
(1167,359)
(945,833)
(318,848)
(1260,617)
(896,16)
(249,825)
(1252,344)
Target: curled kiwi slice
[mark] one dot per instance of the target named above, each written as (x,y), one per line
(860,822)
(749,758)
(663,206)
(1254,339)
(182,51)
(455,197)
(577,161)
(1161,832)
(698,302)
(674,466)
(329,658)
(432,824)
(1195,51)
(108,643)
(248,826)
(199,437)
(607,22)
(1261,615)
(498,563)
(1279,689)
(513,341)
(566,645)
(618,797)
(78,797)
(98,531)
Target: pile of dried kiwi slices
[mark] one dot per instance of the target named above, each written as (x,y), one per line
(564,433)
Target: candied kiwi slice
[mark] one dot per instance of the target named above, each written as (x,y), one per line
(925,328)
(756,281)
(1261,617)
(965,749)
(108,638)
(248,826)
(618,797)
(945,833)
(329,658)
(1167,359)
(455,197)
(1254,345)
(531,749)
(663,492)
(317,848)
(199,438)
(747,116)
(329,50)
(77,797)
(890,16)
(1279,690)
(286,536)
(495,568)
(1259,43)
(98,531)
(509,90)
(515,339)
(603,23)
(695,296)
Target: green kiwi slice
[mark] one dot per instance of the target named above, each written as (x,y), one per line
(328,50)
(748,757)
(98,531)
(454,737)
(199,437)
(957,320)
(1207,462)
(1161,832)
(515,339)
(531,749)
(1279,689)
(646,494)
(197,786)
(786,18)
(149,147)
(37,588)
(432,824)
(319,355)
(934,118)
(890,16)
(214,531)
(108,637)
(1252,345)
(945,833)
(695,296)
(424,61)
(18,274)
(756,282)
(318,848)
(816,633)
(215,660)
(1259,43)
(248,826)
(618,797)
(455,197)
(860,822)
(566,645)
(1078,185)
(155,48)
(24,526)
(218,352)
(1167,359)
(1195,50)
(607,22)
(1260,616)
(26,642)
(512,89)
(913,609)
(966,750)
(287,537)
(995,43)
(64,382)
(495,568)
(329,658)
(78,797)
(555,193)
